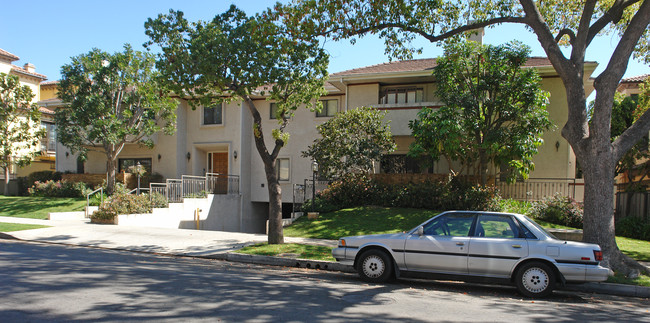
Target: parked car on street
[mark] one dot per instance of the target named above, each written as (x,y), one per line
(468,245)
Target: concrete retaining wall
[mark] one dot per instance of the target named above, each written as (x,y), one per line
(217,212)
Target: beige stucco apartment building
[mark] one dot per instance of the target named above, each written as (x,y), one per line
(220,140)
(28,76)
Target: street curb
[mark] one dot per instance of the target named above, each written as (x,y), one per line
(285,262)
(610,289)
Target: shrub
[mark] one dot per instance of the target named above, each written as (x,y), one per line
(321,205)
(123,203)
(43,176)
(558,209)
(58,189)
(633,227)
(158,200)
(360,190)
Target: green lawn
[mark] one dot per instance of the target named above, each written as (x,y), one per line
(38,207)
(8,227)
(358,221)
(290,250)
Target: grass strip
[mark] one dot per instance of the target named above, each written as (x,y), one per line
(290,250)
(38,207)
(9,227)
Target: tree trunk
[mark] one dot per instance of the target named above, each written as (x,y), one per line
(483,167)
(275,230)
(111,170)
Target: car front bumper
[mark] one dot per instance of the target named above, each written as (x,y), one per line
(344,255)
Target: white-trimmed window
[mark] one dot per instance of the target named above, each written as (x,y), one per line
(213,115)
(282,168)
(401,95)
(330,108)
(48,143)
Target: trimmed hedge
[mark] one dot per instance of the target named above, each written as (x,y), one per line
(361,190)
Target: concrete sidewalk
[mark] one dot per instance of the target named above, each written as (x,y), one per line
(211,244)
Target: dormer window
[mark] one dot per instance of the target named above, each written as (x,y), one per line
(401,95)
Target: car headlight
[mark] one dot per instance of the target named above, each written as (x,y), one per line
(342,243)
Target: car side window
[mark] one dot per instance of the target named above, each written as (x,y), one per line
(496,226)
(455,225)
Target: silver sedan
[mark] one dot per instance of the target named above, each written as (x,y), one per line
(470,245)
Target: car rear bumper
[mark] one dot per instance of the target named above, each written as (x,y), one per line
(581,273)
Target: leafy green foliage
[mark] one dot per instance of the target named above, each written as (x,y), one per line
(625,111)
(351,142)
(558,209)
(124,203)
(59,189)
(20,119)
(361,190)
(633,227)
(494,113)
(112,100)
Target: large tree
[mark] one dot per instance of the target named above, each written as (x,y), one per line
(494,111)
(237,57)
(20,124)
(112,100)
(556,23)
(351,142)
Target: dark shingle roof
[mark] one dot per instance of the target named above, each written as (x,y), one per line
(424,64)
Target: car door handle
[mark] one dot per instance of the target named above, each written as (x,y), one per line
(516,246)
(460,243)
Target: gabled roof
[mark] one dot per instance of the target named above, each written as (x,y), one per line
(423,64)
(7,55)
(636,79)
(23,71)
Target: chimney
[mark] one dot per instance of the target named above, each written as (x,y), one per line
(29,67)
(476,35)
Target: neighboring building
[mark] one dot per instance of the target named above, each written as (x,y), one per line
(29,77)
(220,140)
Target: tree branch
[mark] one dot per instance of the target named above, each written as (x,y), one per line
(423,33)
(566,31)
(631,136)
(613,15)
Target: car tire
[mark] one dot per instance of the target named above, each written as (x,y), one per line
(375,266)
(535,279)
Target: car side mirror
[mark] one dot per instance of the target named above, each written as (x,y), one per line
(420,231)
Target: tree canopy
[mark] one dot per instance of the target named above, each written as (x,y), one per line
(351,142)
(556,23)
(494,113)
(20,124)
(239,57)
(112,100)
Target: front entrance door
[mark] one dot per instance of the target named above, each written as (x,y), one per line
(219,165)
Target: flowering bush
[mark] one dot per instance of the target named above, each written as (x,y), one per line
(123,203)
(558,209)
(58,189)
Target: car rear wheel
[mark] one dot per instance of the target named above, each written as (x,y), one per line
(375,266)
(535,279)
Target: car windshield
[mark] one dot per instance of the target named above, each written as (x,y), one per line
(540,228)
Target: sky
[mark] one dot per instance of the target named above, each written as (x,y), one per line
(48,33)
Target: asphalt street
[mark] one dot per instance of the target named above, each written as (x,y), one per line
(54,283)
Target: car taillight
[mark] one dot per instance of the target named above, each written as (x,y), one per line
(598,255)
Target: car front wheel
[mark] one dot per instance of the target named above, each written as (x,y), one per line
(375,266)
(535,279)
